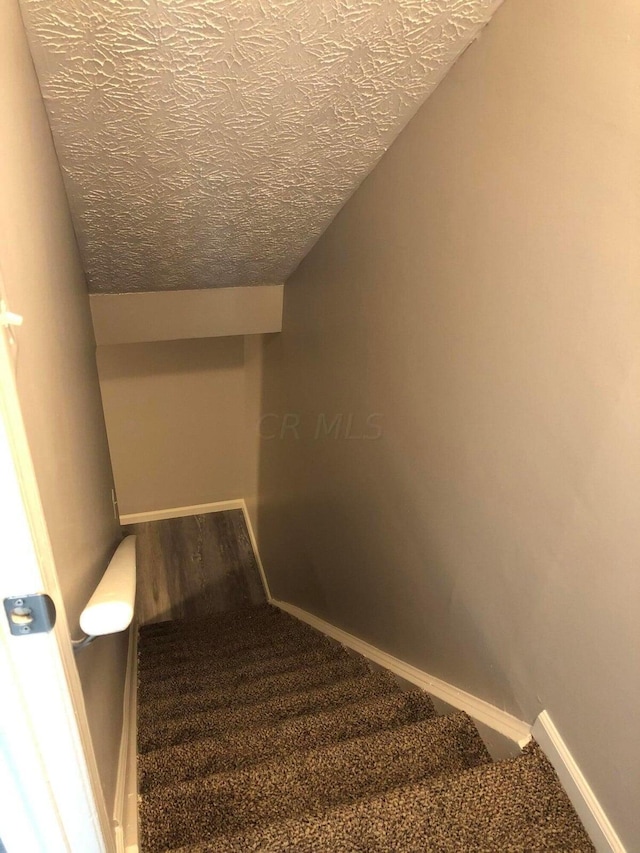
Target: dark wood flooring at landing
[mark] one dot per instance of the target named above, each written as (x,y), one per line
(195,565)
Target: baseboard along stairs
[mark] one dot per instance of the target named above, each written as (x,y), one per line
(258,733)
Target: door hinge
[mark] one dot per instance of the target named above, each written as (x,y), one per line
(30,614)
(9,318)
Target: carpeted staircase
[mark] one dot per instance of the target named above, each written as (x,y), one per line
(257,733)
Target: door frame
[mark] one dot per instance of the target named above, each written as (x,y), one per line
(47,761)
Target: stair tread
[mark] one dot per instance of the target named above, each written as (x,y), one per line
(163,666)
(205,675)
(235,749)
(208,628)
(255,690)
(512,805)
(168,732)
(262,632)
(256,733)
(310,782)
(222,619)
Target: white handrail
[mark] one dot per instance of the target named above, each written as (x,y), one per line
(110,608)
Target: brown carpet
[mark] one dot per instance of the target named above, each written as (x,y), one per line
(256,733)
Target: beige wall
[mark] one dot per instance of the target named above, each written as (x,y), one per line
(481,292)
(253,377)
(56,374)
(176,423)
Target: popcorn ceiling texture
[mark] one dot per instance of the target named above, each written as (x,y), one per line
(208,143)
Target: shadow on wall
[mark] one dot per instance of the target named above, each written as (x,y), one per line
(167,357)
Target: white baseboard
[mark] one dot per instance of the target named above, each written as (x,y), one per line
(256,553)
(578,790)
(500,721)
(181,511)
(124,779)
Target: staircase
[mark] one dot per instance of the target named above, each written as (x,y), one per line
(257,733)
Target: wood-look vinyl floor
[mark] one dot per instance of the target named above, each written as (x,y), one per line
(195,565)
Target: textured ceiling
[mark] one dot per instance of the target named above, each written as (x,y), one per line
(208,143)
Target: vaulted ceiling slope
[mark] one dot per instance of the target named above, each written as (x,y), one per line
(208,143)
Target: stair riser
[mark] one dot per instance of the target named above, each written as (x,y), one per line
(214,621)
(246,651)
(256,690)
(218,626)
(183,763)
(194,637)
(311,782)
(514,805)
(164,733)
(155,679)
(153,654)
(202,677)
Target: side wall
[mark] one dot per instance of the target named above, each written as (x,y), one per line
(56,374)
(175,415)
(479,296)
(253,353)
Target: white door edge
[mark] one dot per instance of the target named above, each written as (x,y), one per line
(43,688)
